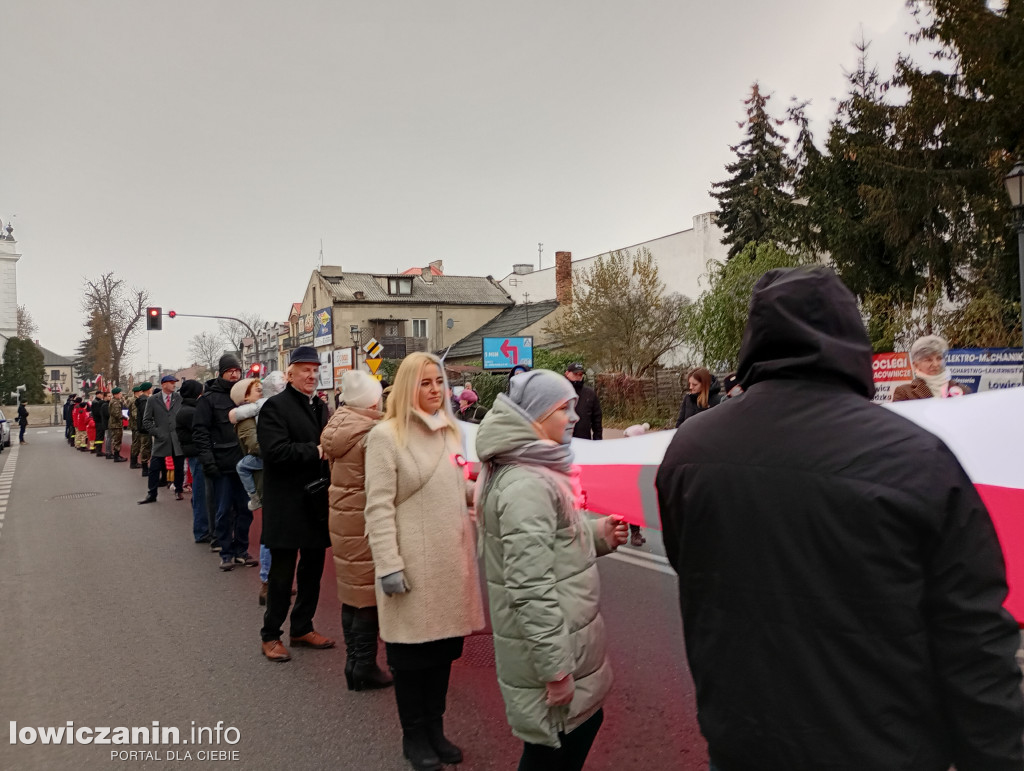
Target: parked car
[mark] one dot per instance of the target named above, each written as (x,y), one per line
(5,432)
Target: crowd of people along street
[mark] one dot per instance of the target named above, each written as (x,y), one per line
(840,581)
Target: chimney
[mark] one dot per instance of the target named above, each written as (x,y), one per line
(522,268)
(427,275)
(439,265)
(563,278)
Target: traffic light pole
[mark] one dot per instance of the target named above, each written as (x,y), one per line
(255,339)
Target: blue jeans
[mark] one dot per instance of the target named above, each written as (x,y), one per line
(245,467)
(233,515)
(264,563)
(200,520)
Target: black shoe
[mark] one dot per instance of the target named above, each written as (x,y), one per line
(204,539)
(134,464)
(446,751)
(148,499)
(119,459)
(417,749)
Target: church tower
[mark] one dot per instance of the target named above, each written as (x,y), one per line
(8,285)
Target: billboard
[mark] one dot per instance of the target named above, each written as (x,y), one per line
(985,369)
(890,370)
(325,375)
(980,369)
(342,362)
(506,352)
(323,328)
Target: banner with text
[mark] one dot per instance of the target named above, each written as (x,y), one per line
(325,375)
(342,362)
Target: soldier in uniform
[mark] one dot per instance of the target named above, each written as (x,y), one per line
(145,440)
(116,424)
(133,426)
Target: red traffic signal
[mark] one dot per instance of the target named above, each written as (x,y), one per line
(154,319)
(256,370)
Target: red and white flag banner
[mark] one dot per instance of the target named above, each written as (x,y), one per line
(985,431)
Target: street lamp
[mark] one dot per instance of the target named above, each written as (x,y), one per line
(356,333)
(1014,182)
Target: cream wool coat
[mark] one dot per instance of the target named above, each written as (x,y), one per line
(417,522)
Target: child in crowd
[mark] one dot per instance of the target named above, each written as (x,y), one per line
(248,395)
(244,416)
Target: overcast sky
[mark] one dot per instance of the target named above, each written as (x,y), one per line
(203,149)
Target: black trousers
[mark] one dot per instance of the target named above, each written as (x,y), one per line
(570,756)
(156,464)
(279,590)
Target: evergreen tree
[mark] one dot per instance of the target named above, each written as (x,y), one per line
(22,365)
(756,202)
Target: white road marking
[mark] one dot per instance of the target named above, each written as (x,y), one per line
(648,564)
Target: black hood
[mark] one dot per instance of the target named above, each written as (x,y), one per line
(804,325)
(190,389)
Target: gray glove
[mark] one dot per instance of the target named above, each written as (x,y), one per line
(394,583)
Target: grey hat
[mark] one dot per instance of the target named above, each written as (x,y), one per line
(539,391)
(228,361)
(304,354)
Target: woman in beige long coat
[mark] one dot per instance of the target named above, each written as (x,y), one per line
(424,552)
(344,443)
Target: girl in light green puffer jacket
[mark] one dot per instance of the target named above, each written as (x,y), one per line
(542,580)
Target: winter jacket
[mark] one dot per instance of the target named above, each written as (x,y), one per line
(183,427)
(288,433)
(543,587)
(840,580)
(689,406)
(212,431)
(589,410)
(918,389)
(344,443)
(22,415)
(246,433)
(417,522)
(159,423)
(474,413)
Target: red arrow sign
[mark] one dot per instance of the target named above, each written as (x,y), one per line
(510,352)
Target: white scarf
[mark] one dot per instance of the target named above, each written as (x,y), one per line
(935,383)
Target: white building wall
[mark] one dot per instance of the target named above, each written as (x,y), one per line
(681,258)
(8,289)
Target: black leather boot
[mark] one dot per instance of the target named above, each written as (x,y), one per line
(415,742)
(435,700)
(145,468)
(348,615)
(366,675)
(134,463)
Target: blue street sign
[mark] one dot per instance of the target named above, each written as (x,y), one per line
(506,352)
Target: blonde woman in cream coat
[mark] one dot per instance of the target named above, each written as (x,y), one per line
(424,553)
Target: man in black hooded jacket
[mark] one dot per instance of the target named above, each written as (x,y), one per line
(217,444)
(840,580)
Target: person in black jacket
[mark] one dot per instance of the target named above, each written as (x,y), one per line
(190,392)
(295,483)
(587,405)
(69,428)
(703,393)
(215,439)
(22,421)
(840,580)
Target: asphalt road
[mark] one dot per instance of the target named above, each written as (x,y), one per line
(111,616)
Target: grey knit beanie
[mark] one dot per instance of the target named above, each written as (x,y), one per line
(539,391)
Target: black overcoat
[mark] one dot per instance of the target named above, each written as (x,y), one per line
(840,580)
(288,429)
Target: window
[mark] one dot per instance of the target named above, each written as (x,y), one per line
(54,374)
(419,327)
(399,286)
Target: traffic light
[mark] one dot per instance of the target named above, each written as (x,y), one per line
(255,370)
(153,319)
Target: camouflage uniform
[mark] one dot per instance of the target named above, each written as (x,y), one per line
(133,454)
(116,425)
